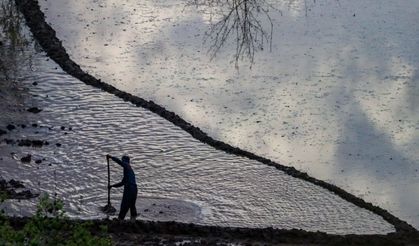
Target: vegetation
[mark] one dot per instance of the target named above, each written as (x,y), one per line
(11,22)
(50,226)
(14,38)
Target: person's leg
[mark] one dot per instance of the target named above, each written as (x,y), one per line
(133,208)
(125,204)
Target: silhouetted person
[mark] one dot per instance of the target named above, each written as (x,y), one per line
(130,187)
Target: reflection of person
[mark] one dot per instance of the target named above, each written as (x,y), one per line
(130,187)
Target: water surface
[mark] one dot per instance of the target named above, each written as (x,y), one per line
(82,124)
(337,96)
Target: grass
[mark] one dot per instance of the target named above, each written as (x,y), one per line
(50,226)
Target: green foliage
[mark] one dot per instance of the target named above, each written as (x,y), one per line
(50,226)
(11,24)
(81,236)
(14,41)
(3,196)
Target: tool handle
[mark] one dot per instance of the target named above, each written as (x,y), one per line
(109,182)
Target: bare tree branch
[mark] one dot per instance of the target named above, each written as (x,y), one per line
(241,20)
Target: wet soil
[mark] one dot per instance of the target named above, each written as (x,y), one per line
(26,142)
(13,189)
(16,117)
(48,40)
(171,233)
(160,209)
(12,109)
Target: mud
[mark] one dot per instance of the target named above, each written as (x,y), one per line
(26,142)
(13,189)
(169,233)
(108,209)
(10,127)
(26,159)
(34,110)
(46,37)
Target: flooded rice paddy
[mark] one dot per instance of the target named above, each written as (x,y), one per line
(205,186)
(82,124)
(336,95)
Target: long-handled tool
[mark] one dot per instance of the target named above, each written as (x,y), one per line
(109,209)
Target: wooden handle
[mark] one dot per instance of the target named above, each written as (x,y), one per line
(109,182)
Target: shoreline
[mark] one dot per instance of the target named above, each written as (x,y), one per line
(45,35)
(131,233)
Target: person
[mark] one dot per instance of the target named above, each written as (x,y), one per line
(130,187)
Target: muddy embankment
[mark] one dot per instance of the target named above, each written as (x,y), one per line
(46,37)
(142,232)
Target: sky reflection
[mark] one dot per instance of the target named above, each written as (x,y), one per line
(336,96)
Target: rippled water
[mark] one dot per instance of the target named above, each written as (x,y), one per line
(337,96)
(168,163)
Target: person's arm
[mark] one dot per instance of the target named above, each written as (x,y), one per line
(117,161)
(119,184)
(120,163)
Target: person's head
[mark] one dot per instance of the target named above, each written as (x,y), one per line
(125,159)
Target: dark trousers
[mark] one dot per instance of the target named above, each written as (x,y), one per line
(128,202)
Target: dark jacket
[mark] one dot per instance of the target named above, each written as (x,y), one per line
(129,177)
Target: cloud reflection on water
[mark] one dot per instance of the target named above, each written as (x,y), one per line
(341,78)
